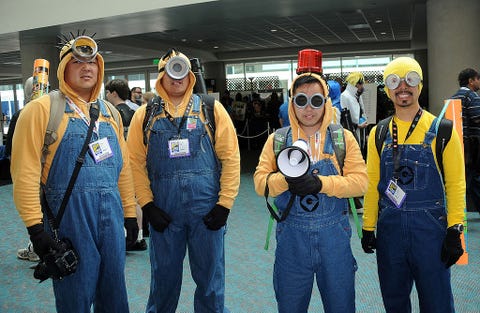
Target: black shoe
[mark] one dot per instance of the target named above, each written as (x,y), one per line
(139,245)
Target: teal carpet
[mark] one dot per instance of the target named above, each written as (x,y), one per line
(248,266)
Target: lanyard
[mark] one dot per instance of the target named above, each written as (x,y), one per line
(396,156)
(85,119)
(184,117)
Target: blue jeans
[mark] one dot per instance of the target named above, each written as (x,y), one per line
(93,221)
(323,252)
(314,242)
(410,237)
(187,189)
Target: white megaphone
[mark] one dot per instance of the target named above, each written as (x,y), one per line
(294,161)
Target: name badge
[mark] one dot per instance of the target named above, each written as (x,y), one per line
(395,193)
(100,150)
(178,148)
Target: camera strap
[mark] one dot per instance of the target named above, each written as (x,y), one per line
(53,221)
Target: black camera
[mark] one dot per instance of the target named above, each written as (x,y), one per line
(58,263)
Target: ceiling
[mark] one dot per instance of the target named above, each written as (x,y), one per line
(229,30)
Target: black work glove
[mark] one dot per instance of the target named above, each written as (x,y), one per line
(158,218)
(217,217)
(452,247)
(131,227)
(369,242)
(308,184)
(42,242)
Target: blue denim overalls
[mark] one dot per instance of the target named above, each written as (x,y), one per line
(93,221)
(409,238)
(187,189)
(314,241)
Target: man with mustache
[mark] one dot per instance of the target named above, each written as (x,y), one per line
(417,214)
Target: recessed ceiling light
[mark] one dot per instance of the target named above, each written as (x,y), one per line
(378,20)
(199,40)
(215,47)
(273,30)
(184,39)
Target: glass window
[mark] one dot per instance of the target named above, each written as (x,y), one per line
(136,80)
(153,80)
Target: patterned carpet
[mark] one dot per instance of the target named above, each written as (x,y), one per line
(248,266)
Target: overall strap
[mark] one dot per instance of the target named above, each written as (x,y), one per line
(55,221)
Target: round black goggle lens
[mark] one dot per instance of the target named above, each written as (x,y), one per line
(316,101)
(412,79)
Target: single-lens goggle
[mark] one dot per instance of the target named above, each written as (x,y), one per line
(316,101)
(412,79)
(84,49)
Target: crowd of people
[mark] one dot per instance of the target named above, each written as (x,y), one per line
(120,170)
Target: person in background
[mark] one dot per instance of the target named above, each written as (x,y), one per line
(116,92)
(24,253)
(135,98)
(351,102)
(351,99)
(272,108)
(147,96)
(417,215)
(102,201)
(469,81)
(313,242)
(283,119)
(335,90)
(186,180)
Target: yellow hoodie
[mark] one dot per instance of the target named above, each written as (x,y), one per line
(353,183)
(226,145)
(27,146)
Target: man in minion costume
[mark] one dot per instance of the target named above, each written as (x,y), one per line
(186,180)
(418,215)
(102,201)
(351,100)
(313,241)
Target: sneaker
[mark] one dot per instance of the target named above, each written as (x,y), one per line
(139,245)
(28,254)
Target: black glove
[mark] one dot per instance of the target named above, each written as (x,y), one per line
(308,184)
(369,242)
(217,217)
(42,242)
(158,218)
(131,227)
(452,247)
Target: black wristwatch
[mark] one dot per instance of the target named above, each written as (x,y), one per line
(458,228)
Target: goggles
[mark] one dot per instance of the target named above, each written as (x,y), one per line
(412,79)
(84,49)
(316,101)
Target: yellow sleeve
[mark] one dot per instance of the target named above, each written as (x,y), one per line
(353,182)
(138,158)
(454,172)
(228,152)
(267,164)
(125,180)
(370,201)
(25,162)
